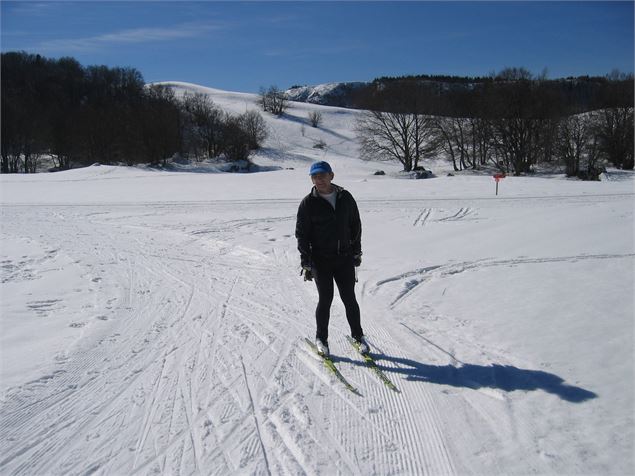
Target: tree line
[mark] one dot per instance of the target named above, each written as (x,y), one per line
(514,123)
(513,120)
(480,96)
(82,115)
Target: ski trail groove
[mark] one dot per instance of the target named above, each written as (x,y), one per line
(256,418)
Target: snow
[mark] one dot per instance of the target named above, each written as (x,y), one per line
(153,320)
(323,93)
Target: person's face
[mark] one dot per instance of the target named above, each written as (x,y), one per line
(322,181)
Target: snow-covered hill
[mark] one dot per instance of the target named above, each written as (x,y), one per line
(153,321)
(331,94)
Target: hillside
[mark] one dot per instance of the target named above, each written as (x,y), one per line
(473,97)
(154,321)
(331,94)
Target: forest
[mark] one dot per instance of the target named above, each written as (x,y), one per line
(83,115)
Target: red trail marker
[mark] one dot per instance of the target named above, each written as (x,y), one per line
(498,178)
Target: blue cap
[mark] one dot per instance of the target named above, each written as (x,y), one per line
(320,167)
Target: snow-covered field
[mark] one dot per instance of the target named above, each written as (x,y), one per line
(153,321)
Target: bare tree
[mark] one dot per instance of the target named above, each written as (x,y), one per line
(406,138)
(263,99)
(235,139)
(254,125)
(447,140)
(424,139)
(466,141)
(454,138)
(315,118)
(579,145)
(616,136)
(273,100)
(203,125)
(160,117)
(517,143)
(514,74)
(574,133)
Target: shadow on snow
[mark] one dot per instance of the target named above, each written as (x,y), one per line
(504,377)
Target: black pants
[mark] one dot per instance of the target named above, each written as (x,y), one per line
(342,272)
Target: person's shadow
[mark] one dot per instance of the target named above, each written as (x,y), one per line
(503,377)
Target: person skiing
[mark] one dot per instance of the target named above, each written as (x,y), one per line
(329,230)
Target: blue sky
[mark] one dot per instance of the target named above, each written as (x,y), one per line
(243,46)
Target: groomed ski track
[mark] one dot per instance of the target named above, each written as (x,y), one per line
(203,370)
(200,368)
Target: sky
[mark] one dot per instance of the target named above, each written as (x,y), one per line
(243,46)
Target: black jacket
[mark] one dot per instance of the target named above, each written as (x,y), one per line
(327,234)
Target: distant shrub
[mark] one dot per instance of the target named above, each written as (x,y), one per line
(315,118)
(319,144)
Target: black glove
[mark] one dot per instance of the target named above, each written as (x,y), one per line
(357,260)
(307,272)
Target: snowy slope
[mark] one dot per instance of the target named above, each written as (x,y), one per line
(153,322)
(325,94)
